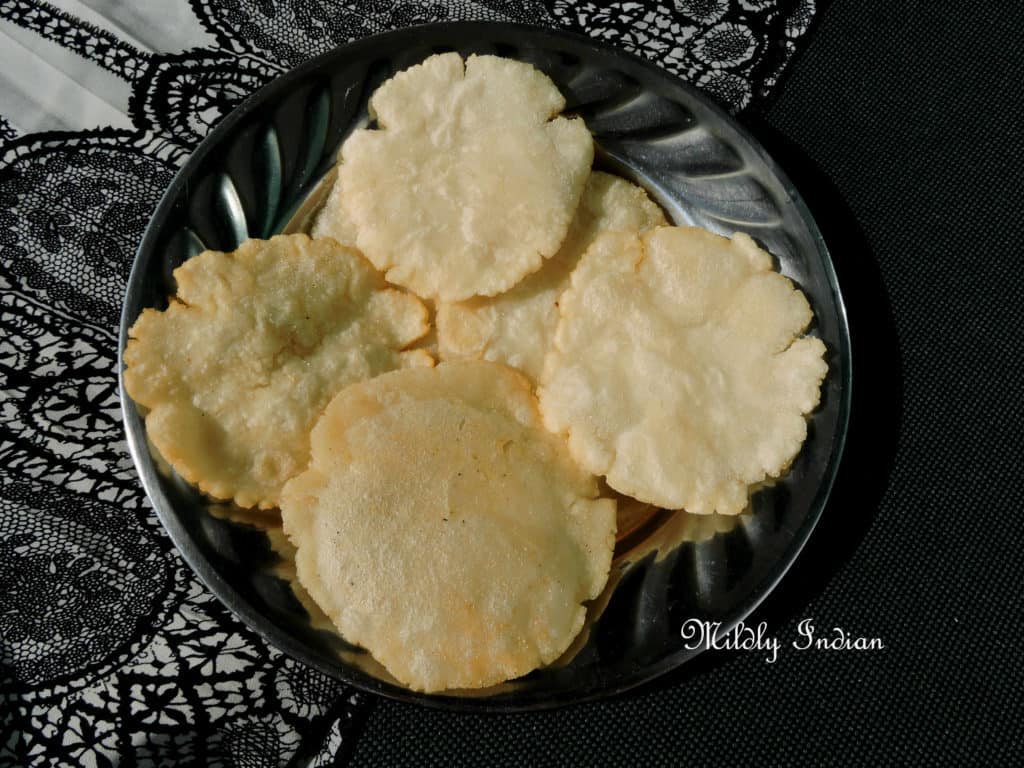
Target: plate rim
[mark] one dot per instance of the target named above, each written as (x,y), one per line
(238,605)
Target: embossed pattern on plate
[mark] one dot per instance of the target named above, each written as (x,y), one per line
(255,170)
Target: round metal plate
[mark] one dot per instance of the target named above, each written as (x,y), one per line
(257,167)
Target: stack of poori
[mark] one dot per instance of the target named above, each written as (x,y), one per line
(446,513)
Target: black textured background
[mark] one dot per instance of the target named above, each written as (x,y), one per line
(902,125)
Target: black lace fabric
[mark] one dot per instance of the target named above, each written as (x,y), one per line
(111,652)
